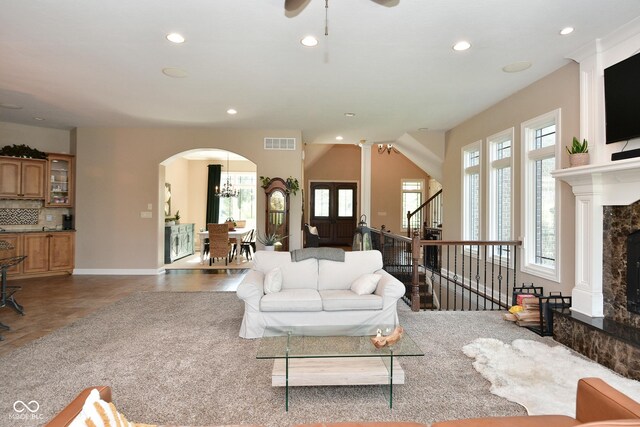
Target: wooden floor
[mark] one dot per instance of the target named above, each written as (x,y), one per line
(53,302)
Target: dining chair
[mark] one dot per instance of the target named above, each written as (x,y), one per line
(218,242)
(247,246)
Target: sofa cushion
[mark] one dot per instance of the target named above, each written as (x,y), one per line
(292,300)
(365,284)
(340,275)
(295,275)
(273,281)
(338,300)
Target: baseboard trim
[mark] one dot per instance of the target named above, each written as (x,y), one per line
(118,271)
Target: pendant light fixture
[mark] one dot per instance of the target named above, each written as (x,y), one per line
(227,190)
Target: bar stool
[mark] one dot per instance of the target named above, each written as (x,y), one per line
(6,292)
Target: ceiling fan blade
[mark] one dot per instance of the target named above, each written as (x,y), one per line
(293,5)
(387,3)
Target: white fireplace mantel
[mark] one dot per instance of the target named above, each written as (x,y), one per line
(595,186)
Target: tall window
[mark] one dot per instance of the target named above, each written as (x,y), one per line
(500,188)
(471,194)
(412,191)
(541,138)
(243,206)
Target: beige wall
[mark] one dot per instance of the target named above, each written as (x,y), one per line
(342,163)
(331,163)
(43,139)
(387,173)
(119,172)
(176,173)
(557,90)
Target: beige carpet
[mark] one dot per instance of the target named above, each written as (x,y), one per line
(176,358)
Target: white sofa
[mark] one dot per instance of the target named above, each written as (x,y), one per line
(317,293)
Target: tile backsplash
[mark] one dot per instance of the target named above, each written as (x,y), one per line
(19,216)
(29,215)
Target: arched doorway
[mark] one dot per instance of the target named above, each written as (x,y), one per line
(185,190)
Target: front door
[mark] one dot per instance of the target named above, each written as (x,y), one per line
(333,212)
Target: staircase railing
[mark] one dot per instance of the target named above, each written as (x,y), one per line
(427,216)
(450,274)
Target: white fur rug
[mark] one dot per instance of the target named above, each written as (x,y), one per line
(541,378)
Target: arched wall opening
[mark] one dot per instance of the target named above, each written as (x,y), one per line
(186,188)
(119,176)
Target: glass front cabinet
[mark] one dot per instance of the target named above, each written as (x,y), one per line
(59,180)
(277,212)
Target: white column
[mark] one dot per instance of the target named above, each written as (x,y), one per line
(365,181)
(587,295)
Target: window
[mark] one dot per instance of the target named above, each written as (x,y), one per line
(243,206)
(412,190)
(540,209)
(500,189)
(345,202)
(321,204)
(471,194)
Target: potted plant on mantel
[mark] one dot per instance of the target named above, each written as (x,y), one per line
(269,240)
(579,153)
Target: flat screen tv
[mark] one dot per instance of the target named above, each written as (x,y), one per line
(622,100)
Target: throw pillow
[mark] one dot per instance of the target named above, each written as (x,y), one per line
(365,284)
(273,281)
(96,412)
(313,230)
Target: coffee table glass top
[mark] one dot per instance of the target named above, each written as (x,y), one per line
(311,342)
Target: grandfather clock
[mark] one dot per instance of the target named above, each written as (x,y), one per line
(277,210)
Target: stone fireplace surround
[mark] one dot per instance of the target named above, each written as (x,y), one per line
(607,209)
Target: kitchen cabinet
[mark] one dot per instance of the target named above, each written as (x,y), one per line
(48,252)
(15,242)
(22,178)
(60,179)
(178,242)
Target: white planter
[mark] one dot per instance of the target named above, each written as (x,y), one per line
(269,248)
(578,159)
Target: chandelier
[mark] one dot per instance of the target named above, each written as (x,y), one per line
(388,148)
(227,189)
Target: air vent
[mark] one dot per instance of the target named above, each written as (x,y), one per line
(279,143)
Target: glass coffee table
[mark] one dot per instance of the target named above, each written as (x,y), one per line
(305,356)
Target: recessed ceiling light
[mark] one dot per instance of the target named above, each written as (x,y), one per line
(40,119)
(461,45)
(175,38)
(349,114)
(423,129)
(309,41)
(339,138)
(516,67)
(232,111)
(10,106)
(176,73)
(566,30)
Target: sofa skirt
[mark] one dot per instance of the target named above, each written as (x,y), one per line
(348,322)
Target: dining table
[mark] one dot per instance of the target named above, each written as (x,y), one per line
(236,233)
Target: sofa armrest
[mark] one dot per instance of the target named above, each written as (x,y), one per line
(598,401)
(72,410)
(389,288)
(251,289)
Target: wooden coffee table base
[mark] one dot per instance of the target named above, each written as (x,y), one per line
(335,371)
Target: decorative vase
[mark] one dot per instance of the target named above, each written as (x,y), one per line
(269,248)
(578,159)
